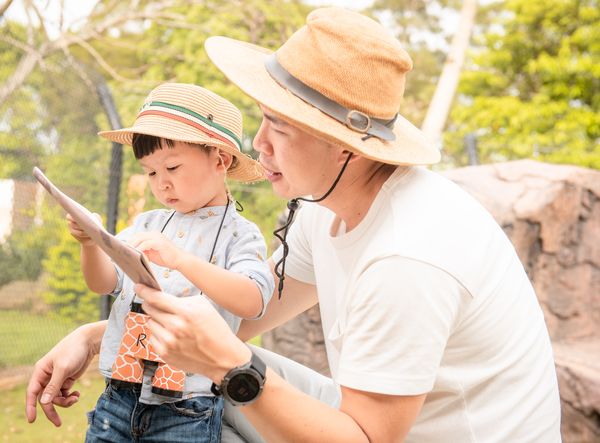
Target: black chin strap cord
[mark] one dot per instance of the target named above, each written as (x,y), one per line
(292,207)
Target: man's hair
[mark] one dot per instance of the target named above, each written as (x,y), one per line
(144,145)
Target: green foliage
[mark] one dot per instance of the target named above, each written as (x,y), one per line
(261,206)
(22,254)
(533,89)
(20,261)
(67,292)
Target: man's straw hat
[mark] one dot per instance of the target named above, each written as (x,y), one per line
(340,77)
(189,113)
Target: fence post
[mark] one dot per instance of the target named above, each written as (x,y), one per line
(471,148)
(116,167)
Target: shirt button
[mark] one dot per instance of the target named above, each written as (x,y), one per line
(180,234)
(166,274)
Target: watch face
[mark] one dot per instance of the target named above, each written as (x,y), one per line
(243,387)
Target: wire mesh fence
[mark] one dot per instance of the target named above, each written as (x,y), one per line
(42,294)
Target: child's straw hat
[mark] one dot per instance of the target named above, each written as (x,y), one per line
(189,113)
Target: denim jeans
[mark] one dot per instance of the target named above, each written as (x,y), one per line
(120,417)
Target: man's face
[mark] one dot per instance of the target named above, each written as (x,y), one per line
(184,177)
(296,163)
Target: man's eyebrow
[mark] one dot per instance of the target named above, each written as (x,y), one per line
(274,119)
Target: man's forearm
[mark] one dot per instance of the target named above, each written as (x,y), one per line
(93,332)
(98,270)
(283,413)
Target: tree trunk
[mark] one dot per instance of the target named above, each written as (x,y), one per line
(438,110)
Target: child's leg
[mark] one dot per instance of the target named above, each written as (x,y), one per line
(168,381)
(110,420)
(196,420)
(235,426)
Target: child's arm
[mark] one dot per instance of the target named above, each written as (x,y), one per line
(235,292)
(97,267)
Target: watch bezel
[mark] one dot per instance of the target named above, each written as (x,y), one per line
(241,372)
(255,368)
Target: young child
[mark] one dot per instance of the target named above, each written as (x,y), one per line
(187,140)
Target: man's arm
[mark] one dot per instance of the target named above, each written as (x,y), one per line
(55,373)
(297,297)
(282,413)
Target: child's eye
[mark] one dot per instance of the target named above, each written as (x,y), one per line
(172,168)
(151,174)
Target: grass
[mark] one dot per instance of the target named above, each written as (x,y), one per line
(25,337)
(15,428)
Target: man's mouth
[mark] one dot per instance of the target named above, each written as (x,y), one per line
(270,174)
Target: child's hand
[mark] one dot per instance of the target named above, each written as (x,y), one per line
(157,248)
(79,233)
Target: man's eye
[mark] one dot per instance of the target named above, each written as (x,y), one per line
(172,168)
(151,174)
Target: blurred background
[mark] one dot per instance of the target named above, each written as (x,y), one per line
(494,82)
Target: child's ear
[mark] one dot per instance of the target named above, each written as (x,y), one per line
(224,160)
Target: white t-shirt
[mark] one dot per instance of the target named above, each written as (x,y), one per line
(427,295)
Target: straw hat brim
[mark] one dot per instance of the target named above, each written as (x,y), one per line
(246,168)
(243,64)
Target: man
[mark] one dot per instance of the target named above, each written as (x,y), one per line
(433,331)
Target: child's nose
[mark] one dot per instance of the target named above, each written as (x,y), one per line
(164,184)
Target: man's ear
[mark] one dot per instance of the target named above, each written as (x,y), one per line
(224,160)
(343,156)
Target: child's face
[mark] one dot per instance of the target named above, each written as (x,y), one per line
(185,177)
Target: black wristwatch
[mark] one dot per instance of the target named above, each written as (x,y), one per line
(243,384)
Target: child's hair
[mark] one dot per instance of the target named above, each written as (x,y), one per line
(144,145)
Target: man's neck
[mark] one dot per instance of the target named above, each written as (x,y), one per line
(357,190)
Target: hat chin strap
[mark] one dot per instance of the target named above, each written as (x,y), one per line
(355,120)
(293,206)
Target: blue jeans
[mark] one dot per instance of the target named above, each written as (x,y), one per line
(120,417)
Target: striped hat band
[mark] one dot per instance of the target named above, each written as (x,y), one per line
(193,119)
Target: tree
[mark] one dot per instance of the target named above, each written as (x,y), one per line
(533,87)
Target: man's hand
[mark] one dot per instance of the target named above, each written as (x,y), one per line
(158,249)
(190,334)
(56,372)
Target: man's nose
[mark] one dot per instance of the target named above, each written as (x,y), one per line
(261,142)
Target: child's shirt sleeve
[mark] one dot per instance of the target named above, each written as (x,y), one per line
(246,255)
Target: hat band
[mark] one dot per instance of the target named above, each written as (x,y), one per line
(355,120)
(193,119)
